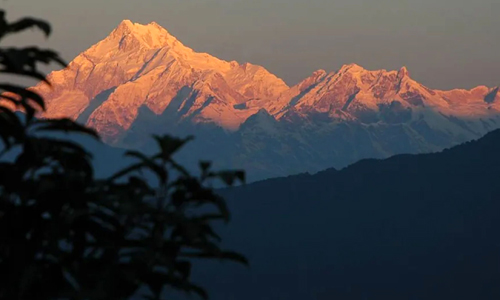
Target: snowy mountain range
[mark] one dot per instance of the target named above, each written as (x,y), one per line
(142,80)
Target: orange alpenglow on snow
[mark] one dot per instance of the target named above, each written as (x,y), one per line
(145,66)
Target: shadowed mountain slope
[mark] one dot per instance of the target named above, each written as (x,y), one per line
(142,80)
(407,227)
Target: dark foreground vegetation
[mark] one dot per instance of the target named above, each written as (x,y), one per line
(408,227)
(65,234)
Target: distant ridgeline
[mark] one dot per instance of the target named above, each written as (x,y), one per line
(408,227)
(142,80)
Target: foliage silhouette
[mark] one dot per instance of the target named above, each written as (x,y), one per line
(65,234)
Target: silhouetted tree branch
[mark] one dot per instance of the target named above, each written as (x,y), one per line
(67,235)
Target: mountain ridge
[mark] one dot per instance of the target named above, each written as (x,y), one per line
(154,37)
(141,80)
(132,58)
(417,226)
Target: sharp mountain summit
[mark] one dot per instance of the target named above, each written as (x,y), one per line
(141,80)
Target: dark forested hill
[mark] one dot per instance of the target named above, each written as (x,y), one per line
(408,227)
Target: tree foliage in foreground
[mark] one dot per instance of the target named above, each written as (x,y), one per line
(67,235)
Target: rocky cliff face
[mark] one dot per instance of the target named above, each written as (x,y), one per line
(142,80)
(144,66)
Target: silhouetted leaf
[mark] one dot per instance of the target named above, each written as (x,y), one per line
(169,145)
(205,165)
(208,217)
(9,98)
(240,175)
(32,74)
(22,24)
(229,177)
(10,127)
(68,235)
(228,255)
(128,170)
(27,58)
(24,94)
(183,267)
(149,164)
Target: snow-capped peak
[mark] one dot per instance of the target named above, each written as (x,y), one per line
(127,26)
(403,72)
(150,35)
(144,66)
(319,73)
(353,68)
(141,79)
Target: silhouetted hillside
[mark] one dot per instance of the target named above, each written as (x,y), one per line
(408,227)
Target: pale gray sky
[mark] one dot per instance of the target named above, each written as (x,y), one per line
(444,43)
